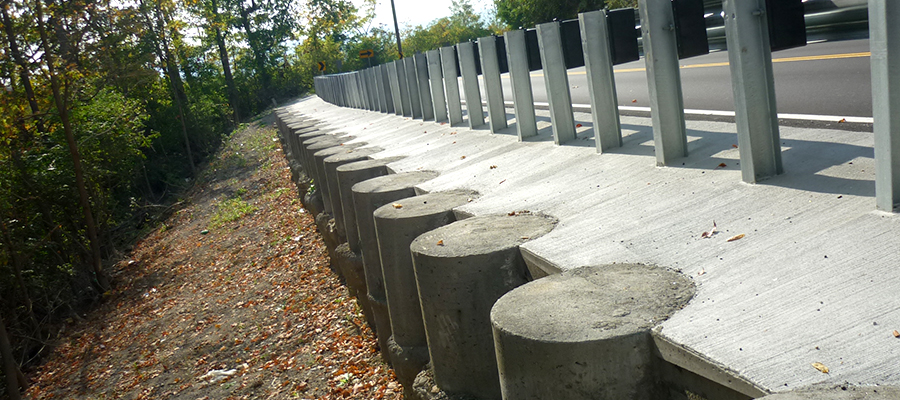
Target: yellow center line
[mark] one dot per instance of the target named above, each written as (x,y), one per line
(725,64)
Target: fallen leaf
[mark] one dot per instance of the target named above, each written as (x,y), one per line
(453,133)
(735,237)
(734,145)
(821,367)
(896,334)
(462,158)
(842,120)
(634,101)
(501,182)
(398,205)
(702,272)
(578,125)
(440,243)
(493,167)
(721,165)
(713,231)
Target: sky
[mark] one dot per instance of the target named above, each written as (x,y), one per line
(417,12)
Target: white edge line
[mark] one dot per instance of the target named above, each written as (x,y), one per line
(719,113)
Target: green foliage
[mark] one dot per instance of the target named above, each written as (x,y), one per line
(528,13)
(462,25)
(231,210)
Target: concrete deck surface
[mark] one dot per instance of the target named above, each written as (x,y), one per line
(816,278)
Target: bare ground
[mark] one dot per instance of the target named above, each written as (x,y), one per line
(231,298)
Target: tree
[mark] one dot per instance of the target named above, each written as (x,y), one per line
(527,13)
(462,25)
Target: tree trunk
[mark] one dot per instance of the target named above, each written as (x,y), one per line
(226,64)
(10,368)
(91,227)
(20,62)
(258,54)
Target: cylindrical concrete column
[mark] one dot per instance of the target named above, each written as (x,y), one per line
(349,175)
(585,333)
(461,270)
(397,224)
(331,179)
(367,197)
(318,170)
(319,157)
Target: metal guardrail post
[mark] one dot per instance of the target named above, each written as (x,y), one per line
(470,83)
(373,89)
(451,84)
(493,88)
(405,101)
(753,82)
(663,79)
(424,91)
(412,83)
(395,87)
(884,42)
(598,64)
(437,85)
(520,81)
(556,81)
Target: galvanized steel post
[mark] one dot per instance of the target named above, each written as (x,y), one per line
(451,83)
(424,92)
(598,64)
(556,81)
(412,83)
(493,88)
(520,81)
(437,85)
(663,79)
(884,42)
(470,83)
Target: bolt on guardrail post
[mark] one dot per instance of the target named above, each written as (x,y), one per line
(520,81)
(421,62)
(470,83)
(884,42)
(598,64)
(405,100)
(663,79)
(395,87)
(556,80)
(412,82)
(437,85)
(493,88)
(753,82)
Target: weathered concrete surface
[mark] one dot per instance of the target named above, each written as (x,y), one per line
(584,334)
(349,154)
(768,305)
(349,175)
(368,196)
(840,392)
(397,225)
(461,270)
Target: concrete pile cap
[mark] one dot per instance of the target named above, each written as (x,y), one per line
(316,133)
(482,235)
(424,205)
(592,303)
(339,149)
(841,392)
(326,142)
(366,164)
(352,154)
(393,182)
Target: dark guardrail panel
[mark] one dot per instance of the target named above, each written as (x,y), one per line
(623,36)
(787,25)
(533,50)
(501,54)
(573,52)
(690,28)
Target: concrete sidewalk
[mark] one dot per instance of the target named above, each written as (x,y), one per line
(815,278)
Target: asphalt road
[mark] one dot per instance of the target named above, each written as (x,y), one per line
(822,79)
